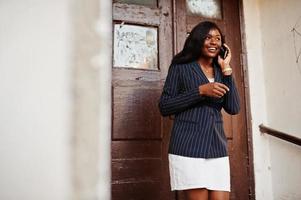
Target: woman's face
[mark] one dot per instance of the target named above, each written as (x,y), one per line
(212,44)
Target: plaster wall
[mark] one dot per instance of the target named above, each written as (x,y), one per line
(281,47)
(35,100)
(274,75)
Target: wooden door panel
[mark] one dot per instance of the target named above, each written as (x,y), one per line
(136,14)
(139,134)
(136,149)
(135,113)
(136,170)
(136,191)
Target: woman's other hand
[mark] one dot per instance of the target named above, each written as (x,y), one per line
(215,89)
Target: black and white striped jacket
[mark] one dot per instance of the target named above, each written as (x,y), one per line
(198,125)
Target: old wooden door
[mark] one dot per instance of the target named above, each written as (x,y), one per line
(146,35)
(225,13)
(141,55)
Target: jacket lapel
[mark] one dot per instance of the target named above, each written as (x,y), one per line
(197,69)
(217,73)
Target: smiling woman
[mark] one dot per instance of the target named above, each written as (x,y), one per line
(198,85)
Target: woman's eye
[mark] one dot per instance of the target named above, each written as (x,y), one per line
(218,39)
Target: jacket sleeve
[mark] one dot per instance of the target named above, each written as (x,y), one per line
(231,103)
(173,101)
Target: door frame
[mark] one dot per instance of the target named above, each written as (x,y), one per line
(245,73)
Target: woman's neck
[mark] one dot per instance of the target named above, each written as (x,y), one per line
(206,62)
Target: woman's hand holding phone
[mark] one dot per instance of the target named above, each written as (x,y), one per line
(225,62)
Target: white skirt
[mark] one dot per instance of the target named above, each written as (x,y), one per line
(190,173)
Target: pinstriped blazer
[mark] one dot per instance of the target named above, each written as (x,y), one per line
(198,125)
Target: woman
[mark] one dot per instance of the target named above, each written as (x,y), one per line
(198,85)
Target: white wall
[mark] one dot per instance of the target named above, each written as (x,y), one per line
(104,28)
(34,100)
(274,90)
(282,73)
(283,79)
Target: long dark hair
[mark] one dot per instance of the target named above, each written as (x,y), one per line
(194,42)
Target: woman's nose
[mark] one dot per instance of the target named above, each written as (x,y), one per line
(213,41)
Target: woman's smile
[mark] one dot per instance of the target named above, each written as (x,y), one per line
(212,49)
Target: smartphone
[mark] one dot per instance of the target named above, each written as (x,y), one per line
(223,52)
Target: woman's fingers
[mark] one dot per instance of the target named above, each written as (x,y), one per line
(214,89)
(217,93)
(227,47)
(221,86)
(229,54)
(219,89)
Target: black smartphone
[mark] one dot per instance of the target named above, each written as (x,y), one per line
(223,52)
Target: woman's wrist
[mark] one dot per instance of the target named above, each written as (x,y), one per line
(227,70)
